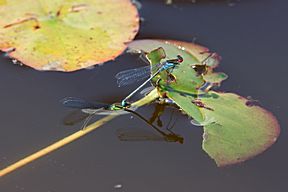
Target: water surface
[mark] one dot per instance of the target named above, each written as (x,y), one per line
(251,37)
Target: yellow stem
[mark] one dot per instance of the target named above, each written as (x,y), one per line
(55,145)
(147,99)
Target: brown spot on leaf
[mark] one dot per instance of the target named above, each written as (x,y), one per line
(37,27)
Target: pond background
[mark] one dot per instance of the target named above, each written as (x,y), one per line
(251,37)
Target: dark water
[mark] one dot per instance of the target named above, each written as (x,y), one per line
(250,35)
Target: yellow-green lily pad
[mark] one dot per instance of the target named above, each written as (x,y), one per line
(234,129)
(239,130)
(187,86)
(66,35)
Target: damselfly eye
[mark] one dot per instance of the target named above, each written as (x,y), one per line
(180,59)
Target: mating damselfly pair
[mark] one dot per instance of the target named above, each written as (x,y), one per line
(92,108)
(125,78)
(128,77)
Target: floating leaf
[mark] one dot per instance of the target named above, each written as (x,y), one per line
(234,129)
(239,130)
(186,87)
(66,35)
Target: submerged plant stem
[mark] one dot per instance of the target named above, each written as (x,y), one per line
(147,99)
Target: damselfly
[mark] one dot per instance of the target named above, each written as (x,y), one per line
(93,108)
(132,75)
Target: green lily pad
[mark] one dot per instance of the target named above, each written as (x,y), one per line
(66,35)
(234,129)
(186,87)
(239,130)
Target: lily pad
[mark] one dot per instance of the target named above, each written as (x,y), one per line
(187,86)
(234,129)
(66,35)
(239,130)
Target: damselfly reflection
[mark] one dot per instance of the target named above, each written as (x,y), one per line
(161,135)
(142,135)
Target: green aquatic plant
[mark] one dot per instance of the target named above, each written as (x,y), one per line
(234,128)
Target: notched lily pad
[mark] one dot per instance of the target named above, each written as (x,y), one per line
(234,129)
(239,130)
(64,35)
(187,86)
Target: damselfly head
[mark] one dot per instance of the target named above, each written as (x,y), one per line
(180,59)
(124,104)
(176,61)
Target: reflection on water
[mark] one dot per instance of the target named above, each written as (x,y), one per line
(144,135)
(167,134)
(74,117)
(170,136)
(159,110)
